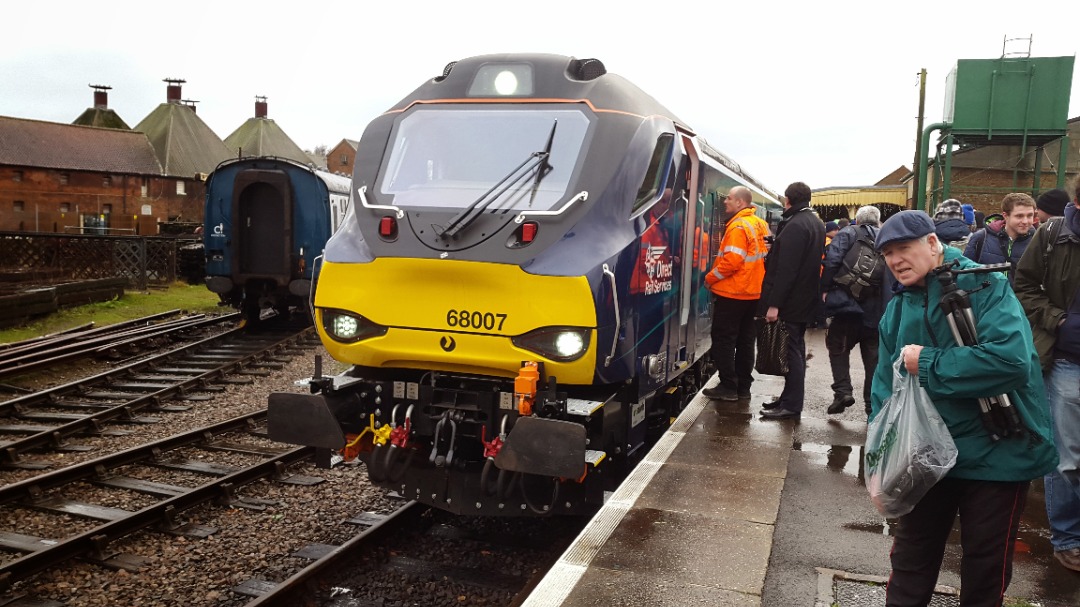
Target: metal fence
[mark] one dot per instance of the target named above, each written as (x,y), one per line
(142,260)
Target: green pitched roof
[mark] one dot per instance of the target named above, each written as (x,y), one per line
(104,118)
(263,137)
(184,144)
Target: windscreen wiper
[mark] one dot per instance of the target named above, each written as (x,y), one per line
(537,161)
(545,166)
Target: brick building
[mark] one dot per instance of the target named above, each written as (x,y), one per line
(341,157)
(85,179)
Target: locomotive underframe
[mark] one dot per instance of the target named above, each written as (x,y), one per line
(460,451)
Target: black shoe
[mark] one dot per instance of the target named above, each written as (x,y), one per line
(744,395)
(769,406)
(720,393)
(780,413)
(840,403)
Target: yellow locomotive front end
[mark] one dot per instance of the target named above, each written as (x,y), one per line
(456,316)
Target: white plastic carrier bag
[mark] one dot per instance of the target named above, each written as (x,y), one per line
(908,447)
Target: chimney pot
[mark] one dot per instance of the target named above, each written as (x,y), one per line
(172,93)
(260,107)
(101,96)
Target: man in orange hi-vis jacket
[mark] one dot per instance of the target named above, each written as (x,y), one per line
(735,280)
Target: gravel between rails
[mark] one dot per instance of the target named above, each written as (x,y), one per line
(248,544)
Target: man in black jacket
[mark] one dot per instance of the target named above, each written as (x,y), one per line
(790,292)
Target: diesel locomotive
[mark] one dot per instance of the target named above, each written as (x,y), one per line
(266,222)
(518,287)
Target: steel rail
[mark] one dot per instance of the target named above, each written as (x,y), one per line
(407,516)
(91,347)
(96,540)
(54,437)
(85,331)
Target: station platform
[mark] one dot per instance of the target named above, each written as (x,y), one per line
(729,509)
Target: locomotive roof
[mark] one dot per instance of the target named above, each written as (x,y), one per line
(556,77)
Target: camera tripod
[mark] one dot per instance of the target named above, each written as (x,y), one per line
(999,416)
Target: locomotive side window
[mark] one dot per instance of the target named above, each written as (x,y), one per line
(658,168)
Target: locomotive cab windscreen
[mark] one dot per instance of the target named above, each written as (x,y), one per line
(490,158)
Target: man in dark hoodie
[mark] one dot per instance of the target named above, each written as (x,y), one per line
(1047,284)
(949,224)
(789,293)
(1005,241)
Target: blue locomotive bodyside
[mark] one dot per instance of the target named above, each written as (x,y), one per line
(266,221)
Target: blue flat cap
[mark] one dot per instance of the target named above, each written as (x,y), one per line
(905,225)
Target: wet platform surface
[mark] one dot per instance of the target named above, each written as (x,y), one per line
(731,510)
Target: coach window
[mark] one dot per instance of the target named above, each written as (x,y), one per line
(654,176)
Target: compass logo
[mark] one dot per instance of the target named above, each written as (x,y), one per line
(447,343)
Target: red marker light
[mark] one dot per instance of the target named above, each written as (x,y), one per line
(528,232)
(388,226)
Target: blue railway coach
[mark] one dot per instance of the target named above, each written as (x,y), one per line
(267,220)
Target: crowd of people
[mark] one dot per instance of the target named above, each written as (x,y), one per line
(878,286)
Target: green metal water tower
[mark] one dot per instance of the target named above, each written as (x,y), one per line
(1006,101)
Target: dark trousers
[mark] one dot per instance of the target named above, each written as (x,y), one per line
(845,332)
(733,337)
(989,518)
(795,380)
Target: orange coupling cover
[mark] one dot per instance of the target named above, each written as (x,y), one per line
(525,386)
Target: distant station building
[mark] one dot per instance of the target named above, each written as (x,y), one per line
(890,195)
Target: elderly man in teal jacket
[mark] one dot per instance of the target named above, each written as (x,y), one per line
(988,486)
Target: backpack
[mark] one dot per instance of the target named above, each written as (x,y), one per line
(863,269)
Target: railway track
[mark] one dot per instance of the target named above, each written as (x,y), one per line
(201,453)
(130,522)
(110,403)
(420,556)
(111,341)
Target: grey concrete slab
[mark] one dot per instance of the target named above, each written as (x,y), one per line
(722,419)
(737,455)
(689,549)
(613,588)
(702,489)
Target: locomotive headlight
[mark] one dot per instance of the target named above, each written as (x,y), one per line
(563,344)
(506,83)
(569,344)
(347,327)
(503,79)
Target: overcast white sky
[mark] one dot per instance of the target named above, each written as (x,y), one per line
(823,92)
